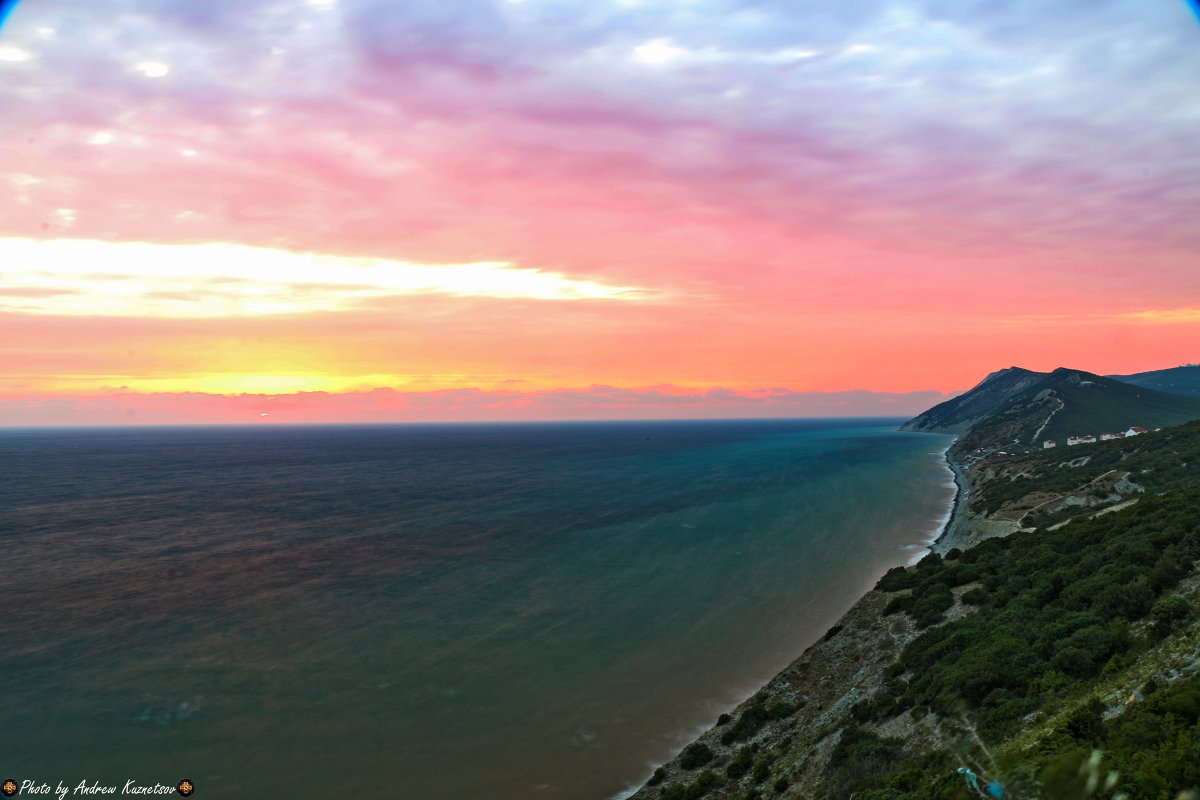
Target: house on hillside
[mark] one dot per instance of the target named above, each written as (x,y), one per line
(1134,431)
(1046,445)
(1087,438)
(1106,437)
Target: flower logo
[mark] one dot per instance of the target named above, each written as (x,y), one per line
(185,787)
(8,788)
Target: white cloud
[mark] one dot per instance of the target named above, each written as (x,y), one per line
(14,54)
(152,69)
(792,54)
(87,277)
(658,51)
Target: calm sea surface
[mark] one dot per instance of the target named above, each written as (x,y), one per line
(425,612)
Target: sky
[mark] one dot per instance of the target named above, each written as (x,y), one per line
(364,211)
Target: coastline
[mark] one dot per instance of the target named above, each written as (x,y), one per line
(864,616)
(808,732)
(947,540)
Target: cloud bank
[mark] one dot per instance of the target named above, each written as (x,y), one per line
(457,405)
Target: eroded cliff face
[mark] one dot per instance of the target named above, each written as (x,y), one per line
(823,685)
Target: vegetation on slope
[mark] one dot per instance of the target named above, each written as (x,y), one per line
(1059,611)
(1177,380)
(1017,409)
(1107,406)
(1071,403)
(1154,461)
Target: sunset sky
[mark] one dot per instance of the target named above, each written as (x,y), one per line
(357,210)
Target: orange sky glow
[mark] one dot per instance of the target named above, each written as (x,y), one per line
(357,213)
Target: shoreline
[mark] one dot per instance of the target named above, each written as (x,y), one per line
(943,541)
(947,540)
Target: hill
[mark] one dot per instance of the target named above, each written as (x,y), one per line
(1177,380)
(1016,409)
(991,395)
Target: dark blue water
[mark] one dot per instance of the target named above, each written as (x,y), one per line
(501,611)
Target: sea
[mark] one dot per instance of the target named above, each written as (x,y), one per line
(426,612)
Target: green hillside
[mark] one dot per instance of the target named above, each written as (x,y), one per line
(1177,380)
(1155,462)
(1067,403)
(1104,405)
(1069,624)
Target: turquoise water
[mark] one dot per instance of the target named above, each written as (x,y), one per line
(501,611)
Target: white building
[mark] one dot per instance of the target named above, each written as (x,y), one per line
(1046,445)
(1135,431)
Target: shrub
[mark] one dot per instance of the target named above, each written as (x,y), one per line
(863,710)
(1086,723)
(859,757)
(781,709)
(741,764)
(929,564)
(897,579)
(1073,661)
(1166,612)
(695,755)
(748,724)
(1130,601)
(976,597)
(880,794)
(705,782)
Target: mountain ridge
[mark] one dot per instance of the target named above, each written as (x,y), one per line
(1018,409)
(1184,379)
